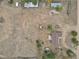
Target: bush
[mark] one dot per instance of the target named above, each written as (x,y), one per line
(49,1)
(43,57)
(34,2)
(59,8)
(73,33)
(49,55)
(49,27)
(38,43)
(70,53)
(27,1)
(75,41)
(10,1)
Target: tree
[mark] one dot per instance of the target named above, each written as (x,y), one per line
(70,53)
(49,1)
(49,55)
(58,8)
(10,1)
(34,2)
(49,27)
(73,33)
(75,41)
(38,43)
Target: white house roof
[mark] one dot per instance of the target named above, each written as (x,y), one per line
(17,4)
(30,4)
(55,4)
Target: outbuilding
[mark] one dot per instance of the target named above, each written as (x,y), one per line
(17,4)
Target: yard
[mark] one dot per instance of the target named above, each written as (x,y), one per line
(21,29)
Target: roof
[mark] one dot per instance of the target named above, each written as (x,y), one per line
(30,4)
(55,4)
(17,3)
(55,38)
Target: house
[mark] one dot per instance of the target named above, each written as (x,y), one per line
(30,4)
(56,4)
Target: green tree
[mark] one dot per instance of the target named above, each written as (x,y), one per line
(25,1)
(59,8)
(73,33)
(49,55)
(38,43)
(10,1)
(49,27)
(34,2)
(75,41)
(70,53)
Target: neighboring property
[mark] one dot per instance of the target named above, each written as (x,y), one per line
(57,6)
(30,4)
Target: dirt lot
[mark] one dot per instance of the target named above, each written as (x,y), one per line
(20,29)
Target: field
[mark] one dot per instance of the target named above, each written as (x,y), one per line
(20,28)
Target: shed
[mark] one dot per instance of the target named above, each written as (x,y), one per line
(17,4)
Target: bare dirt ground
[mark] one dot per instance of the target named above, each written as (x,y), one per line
(20,29)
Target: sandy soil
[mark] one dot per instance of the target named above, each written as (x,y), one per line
(21,28)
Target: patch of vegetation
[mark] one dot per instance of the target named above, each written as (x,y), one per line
(73,33)
(70,53)
(75,41)
(34,2)
(10,1)
(24,1)
(48,55)
(49,1)
(49,27)
(38,43)
(59,8)
(27,1)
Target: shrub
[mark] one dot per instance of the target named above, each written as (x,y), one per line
(10,1)
(59,8)
(34,2)
(75,41)
(49,27)
(70,53)
(49,1)
(38,43)
(49,55)
(73,33)
(27,1)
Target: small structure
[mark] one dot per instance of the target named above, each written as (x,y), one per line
(30,4)
(56,4)
(17,4)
